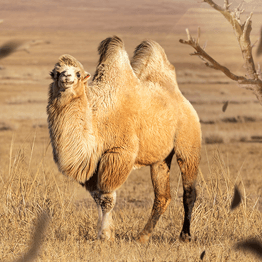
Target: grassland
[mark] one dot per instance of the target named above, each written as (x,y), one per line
(33,188)
(45,216)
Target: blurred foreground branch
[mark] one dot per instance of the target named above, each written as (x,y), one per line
(37,238)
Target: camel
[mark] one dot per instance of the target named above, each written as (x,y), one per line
(131,115)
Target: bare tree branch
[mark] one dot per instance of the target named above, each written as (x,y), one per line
(226,5)
(212,63)
(242,32)
(259,72)
(247,28)
(198,35)
(207,58)
(259,48)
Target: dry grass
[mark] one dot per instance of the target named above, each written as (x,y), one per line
(71,231)
(7,125)
(32,187)
(220,137)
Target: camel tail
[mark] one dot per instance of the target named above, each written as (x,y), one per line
(150,59)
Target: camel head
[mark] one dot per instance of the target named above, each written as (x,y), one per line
(68,75)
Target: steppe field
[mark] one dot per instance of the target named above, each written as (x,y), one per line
(45,216)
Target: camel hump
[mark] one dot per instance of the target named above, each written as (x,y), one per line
(114,64)
(150,62)
(110,47)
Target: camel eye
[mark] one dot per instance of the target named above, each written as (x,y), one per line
(78,75)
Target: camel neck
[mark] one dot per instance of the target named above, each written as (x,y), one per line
(74,144)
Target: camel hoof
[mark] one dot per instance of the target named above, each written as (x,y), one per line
(106,236)
(185,237)
(143,239)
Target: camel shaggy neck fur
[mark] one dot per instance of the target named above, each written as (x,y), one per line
(131,115)
(68,105)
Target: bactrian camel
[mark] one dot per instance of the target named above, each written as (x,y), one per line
(131,115)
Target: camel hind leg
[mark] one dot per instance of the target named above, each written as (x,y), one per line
(189,170)
(161,184)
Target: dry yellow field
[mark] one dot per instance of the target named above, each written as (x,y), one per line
(32,187)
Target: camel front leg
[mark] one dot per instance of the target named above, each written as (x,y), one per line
(161,184)
(91,186)
(107,202)
(95,195)
(114,168)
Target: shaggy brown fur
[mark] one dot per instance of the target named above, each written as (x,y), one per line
(71,142)
(129,117)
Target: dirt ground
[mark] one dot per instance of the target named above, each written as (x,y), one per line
(77,27)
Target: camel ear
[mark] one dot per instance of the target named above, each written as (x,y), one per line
(86,77)
(52,74)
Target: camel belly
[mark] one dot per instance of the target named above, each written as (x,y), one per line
(154,148)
